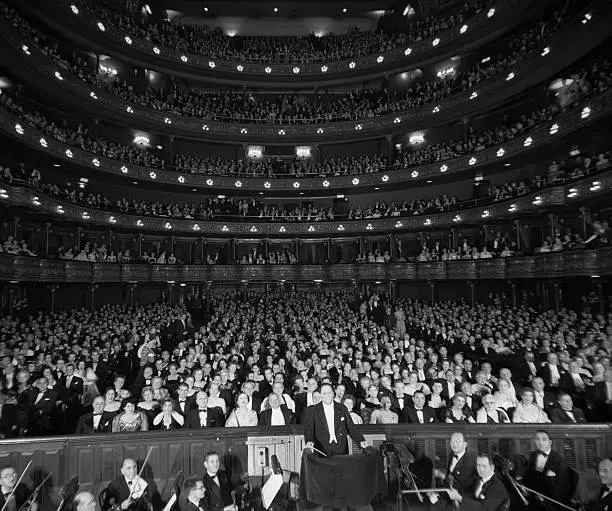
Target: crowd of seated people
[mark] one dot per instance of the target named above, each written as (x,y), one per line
(120,369)
(359,104)
(15,247)
(500,244)
(328,48)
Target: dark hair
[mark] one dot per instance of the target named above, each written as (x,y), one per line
(486,455)
(209,454)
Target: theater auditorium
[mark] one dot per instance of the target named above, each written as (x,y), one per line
(305,255)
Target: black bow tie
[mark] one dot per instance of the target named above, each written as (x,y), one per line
(97,415)
(130,483)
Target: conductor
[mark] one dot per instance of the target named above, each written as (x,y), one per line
(329,424)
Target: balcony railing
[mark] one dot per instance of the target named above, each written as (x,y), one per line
(581,115)
(579,263)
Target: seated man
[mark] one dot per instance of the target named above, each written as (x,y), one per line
(219,494)
(276,414)
(419,412)
(97,422)
(566,413)
(202,416)
(603,500)
(20,492)
(128,491)
(488,492)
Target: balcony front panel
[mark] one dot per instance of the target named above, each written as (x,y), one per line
(579,263)
(569,44)
(572,193)
(575,118)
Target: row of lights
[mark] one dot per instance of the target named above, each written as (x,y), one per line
(296,70)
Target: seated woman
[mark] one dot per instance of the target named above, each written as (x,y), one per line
(458,413)
(112,405)
(130,420)
(349,402)
(527,411)
(148,404)
(384,415)
(489,413)
(435,399)
(413,385)
(241,416)
(504,397)
(168,418)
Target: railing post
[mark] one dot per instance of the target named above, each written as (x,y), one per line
(517,226)
(16,228)
(47,233)
(432,290)
(471,284)
(392,290)
(92,292)
(584,213)
(132,287)
(140,247)
(329,242)
(556,297)
(513,289)
(52,289)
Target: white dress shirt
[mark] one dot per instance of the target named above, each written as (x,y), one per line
(331,425)
(278,418)
(541,461)
(203,416)
(554,374)
(96,420)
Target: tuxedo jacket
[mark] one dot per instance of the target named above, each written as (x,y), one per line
(22,493)
(556,486)
(409,414)
(464,475)
(190,404)
(214,418)
(76,387)
(217,496)
(265,417)
(566,384)
(118,490)
(316,429)
(85,424)
(545,374)
(601,503)
(491,498)
(558,416)
(549,400)
(395,403)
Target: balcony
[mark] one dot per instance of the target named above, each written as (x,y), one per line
(580,263)
(83,26)
(568,45)
(563,125)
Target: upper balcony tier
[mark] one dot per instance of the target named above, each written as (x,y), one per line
(581,263)
(583,113)
(475,24)
(571,194)
(573,39)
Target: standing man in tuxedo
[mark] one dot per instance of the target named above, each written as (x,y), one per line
(97,422)
(461,472)
(37,404)
(603,501)
(8,480)
(126,490)
(74,389)
(419,413)
(100,367)
(328,426)
(546,473)
(488,492)
(202,416)
(220,494)
(399,400)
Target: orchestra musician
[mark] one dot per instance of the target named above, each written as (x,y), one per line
(8,480)
(603,502)
(547,474)
(488,493)
(461,472)
(192,495)
(85,501)
(219,494)
(128,491)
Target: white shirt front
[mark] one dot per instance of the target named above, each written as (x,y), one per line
(329,417)
(554,374)
(309,399)
(203,416)
(96,420)
(420,416)
(277,417)
(541,461)
(539,399)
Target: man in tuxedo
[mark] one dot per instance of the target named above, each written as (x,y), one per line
(74,389)
(566,412)
(449,386)
(544,399)
(399,400)
(202,416)
(37,404)
(546,473)
(551,372)
(248,387)
(126,490)
(100,367)
(488,492)
(97,422)
(276,414)
(461,472)
(219,494)
(182,404)
(419,412)
(329,425)
(8,480)
(574,383)
(603,502)
(304,399)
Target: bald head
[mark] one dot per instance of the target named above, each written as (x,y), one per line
(129,469)
(84,501)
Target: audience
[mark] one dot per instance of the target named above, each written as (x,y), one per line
(332,337)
